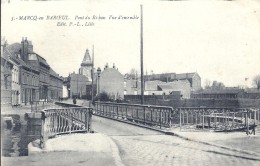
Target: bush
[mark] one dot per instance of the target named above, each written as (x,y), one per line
(103,96)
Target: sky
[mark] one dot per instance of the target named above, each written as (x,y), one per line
(220,40)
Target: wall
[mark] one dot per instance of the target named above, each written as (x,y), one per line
(197,102)
(112,82)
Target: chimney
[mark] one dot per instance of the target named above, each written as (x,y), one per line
(24,49)
(106,66)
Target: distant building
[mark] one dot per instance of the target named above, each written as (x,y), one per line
(252,93)
(55,86)
(86,66)
(227,93)
(112,82)
(77,85)
(193,78)
(157,87)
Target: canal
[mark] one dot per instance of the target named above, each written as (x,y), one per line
(17,135)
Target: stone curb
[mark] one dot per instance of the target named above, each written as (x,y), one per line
(183,137)
(34,149)
(216,145)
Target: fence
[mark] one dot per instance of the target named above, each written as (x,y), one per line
(59,121)
(144,114)
(38,106)
(218,119)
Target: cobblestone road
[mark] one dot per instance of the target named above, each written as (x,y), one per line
(138,146)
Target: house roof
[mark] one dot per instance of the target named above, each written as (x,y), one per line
(152,85)
(252,90)
(14,49)
(165,86)
(42,60)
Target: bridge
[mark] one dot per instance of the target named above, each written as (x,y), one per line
(140,131)
(63,118)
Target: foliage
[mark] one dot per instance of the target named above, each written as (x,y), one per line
(214,86)
(256,81)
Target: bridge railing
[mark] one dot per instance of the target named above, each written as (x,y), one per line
(38,106)
(144,114)
(218,119)
(68,120)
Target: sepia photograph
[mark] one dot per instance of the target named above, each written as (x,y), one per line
(130,82)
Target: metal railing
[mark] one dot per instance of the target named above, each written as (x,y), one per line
(38,106)
(218,119)
(144,114)
(59,121)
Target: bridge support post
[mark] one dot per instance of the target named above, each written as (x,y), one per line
(180,117)
(43,137)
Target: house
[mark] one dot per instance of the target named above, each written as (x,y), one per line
(6,77)
(55,86)
(193,78)
(16,87)
(112,82)
(28,75)
(77,85)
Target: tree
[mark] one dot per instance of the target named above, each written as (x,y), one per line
(256,81)
(217,85)
(132,74)
(207,84)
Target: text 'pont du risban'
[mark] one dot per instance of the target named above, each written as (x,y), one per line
(110,17)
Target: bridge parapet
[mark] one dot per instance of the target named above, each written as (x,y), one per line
(58,121)
(149,115)
(218,119)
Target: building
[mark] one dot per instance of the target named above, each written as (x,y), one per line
(183,86)
(227,93)
(55,86)
(157,87)
(30,75)
(15,85)
(6,77)
(193,78)
(77,85)
(86,66)
(112,82)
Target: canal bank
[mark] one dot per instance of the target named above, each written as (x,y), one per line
(17,131)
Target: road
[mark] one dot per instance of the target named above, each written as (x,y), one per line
(139,146)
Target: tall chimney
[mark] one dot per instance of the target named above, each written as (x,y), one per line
(24,49)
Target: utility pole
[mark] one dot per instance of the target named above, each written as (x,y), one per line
(92,75)
(141,54)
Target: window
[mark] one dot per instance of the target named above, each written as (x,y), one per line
(32,57)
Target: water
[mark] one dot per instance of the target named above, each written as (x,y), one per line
(15,138)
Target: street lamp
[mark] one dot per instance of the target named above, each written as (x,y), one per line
(98,82)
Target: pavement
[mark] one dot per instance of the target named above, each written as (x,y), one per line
(236,141)
(75,149)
